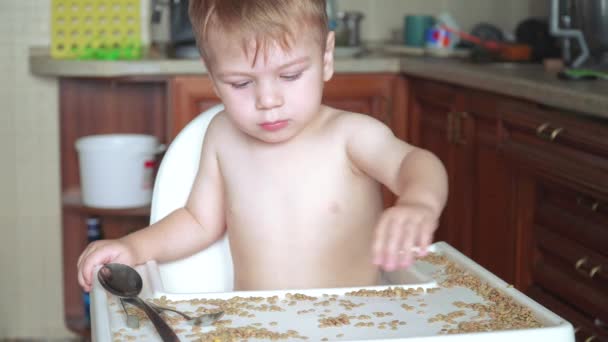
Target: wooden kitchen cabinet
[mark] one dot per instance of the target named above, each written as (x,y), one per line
(564,218)
(460,126)
(99,106)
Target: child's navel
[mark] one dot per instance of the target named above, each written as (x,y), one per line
(334,208)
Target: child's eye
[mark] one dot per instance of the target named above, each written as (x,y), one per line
(291,77)
(240,85)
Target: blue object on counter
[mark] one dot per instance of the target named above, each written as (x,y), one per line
(93,234)
(332,14)
(415,28)
(439,37)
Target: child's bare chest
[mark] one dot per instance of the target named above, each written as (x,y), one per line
(312,187)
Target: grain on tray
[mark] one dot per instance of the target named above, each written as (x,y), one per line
(503,312)
(382,314)
(247,332)
(336,321)
(272,300)
(364,324)
(399,292)
(302,312)
(407,307)
(349,305)
(447,317)
(323,303)
(497,312)
(299,296)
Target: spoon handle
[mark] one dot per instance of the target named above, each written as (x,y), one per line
(164,330)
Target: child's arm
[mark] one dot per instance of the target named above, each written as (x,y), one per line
(183,232)
(416,176)
(190,229)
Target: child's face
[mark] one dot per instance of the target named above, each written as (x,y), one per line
(277,97)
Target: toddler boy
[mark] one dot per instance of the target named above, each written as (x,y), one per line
(295,184)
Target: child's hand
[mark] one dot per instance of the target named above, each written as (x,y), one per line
(403,230)
(99,253)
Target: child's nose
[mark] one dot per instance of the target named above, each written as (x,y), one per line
(268,96)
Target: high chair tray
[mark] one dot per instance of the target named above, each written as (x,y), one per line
(443,297)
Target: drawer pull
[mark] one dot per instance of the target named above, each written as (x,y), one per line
(593,206)
(600,324)
(541,132)
(595,271)
(580,262)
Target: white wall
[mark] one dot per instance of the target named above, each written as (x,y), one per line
(31,299)
(384,16)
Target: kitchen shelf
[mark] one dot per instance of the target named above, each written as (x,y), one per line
(72,200)
(78,325)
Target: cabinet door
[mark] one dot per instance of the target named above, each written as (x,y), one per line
(491,182)
(379,95)
(434,110)
(461,127)
(188,97)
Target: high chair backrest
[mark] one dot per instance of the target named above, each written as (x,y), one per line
(210,270)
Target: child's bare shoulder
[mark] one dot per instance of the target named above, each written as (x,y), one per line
(218,127)
(356,123)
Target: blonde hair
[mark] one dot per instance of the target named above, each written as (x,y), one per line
(265,22)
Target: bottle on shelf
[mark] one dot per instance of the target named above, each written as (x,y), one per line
(94,233)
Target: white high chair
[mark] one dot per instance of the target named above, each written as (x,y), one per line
(211,269)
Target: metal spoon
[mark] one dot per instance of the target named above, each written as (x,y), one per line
(204,319)
(132,320)
(123,281)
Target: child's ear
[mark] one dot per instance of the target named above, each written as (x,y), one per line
(328,57)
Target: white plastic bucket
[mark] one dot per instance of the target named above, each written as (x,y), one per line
(117,170)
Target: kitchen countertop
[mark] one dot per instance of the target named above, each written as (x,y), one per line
(526,81)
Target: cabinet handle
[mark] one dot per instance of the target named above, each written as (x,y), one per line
(542,132)
(580,262)
(595,270)
(592,272)
(591,338)
(458,130)
(450,127)
(600,324)
(593,206)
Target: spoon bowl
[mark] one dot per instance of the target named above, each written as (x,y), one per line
(120,280)
(124,281)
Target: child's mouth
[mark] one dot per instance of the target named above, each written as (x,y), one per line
(274,126)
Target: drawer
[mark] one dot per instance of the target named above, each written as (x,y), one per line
(572,272)
(568,213)
(569,145)
(435,92)
(587,328)
(583,203)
